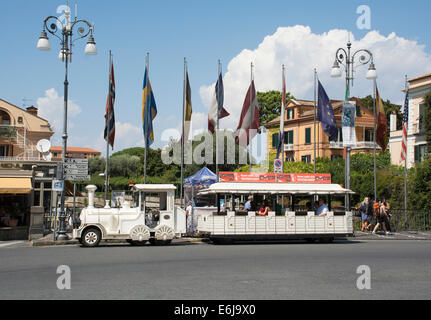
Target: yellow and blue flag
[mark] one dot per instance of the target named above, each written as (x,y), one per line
(149,110)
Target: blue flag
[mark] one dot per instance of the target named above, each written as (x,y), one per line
(325,114)
(149,110)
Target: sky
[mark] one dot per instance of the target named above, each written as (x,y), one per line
(303,35)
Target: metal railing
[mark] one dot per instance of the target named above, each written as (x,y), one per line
(288,147)
(412,220)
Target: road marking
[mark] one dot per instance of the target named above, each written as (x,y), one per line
(10,243)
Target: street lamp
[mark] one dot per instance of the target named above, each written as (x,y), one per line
(63,31)
(347,59)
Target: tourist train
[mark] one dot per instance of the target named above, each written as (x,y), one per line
(288,216)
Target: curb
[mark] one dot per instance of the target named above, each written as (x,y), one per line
(39,243)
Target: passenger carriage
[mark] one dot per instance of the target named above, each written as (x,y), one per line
(290,222)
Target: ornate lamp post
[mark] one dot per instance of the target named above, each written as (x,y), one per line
(347,59)
(64,31)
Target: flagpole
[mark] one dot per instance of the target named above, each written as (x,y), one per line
(217,125)
(315,110)
(405,161)
(183,138)
(374,139)
(147,104)
(252,113)
(108,129)
(283,99)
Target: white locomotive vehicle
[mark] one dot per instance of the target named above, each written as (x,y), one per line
(135,224)
(291,221)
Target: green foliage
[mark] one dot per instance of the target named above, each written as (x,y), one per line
(368,102)
(270,105)
(96,165)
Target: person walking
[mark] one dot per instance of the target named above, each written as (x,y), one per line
(371,216)
(189,214)
(364,214)
(380,210)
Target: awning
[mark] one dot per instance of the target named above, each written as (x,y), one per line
(15,185)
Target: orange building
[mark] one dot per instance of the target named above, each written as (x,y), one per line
(299,132)
(74,152)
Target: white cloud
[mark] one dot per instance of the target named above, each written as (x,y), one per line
(301,50)
(51,108)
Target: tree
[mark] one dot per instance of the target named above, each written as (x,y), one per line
(368,102)
(270,105)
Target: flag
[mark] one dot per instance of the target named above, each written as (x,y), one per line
(281,133)
(382,123)
(109,110)
(188,109)
(405,125)
(325,114)
(216,110)
(249,118)
(149,110)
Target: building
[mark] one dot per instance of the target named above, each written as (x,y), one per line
(416,143)
(299,132)
(25,177)
(74,152)
(20,130)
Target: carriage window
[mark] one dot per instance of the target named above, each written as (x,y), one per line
(163,200)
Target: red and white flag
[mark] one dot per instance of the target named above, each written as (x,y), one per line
(249,121)
(405,124)
(109,110)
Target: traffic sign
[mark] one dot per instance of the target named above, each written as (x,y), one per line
(74,177)
(73,166)
(73,160)
(278,166)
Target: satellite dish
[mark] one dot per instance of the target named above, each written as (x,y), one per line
(47,156)
(43,146)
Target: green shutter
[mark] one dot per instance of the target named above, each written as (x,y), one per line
(290,137)
(274,140)
(307,135)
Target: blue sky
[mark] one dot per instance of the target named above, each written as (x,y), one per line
(202,31)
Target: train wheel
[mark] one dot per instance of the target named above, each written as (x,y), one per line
(91,237)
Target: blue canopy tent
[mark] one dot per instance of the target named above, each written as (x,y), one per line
(200,180)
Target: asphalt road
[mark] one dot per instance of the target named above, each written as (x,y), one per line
(399,270)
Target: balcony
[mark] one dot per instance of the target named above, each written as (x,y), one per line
(288,147)
(8,132)
(359,145)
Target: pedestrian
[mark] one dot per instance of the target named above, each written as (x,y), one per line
(189,214)
(380,212)
(364,213)
(388,215)
(371,217)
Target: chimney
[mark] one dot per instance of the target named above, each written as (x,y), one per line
(393,122)
(32,110)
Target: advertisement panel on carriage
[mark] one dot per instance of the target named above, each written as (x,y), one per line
(315,178)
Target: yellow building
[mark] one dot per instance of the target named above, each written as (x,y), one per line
(299,132)
(20,130)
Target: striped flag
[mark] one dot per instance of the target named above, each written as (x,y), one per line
(249,118)
(149,110)
(217,111)
(281,133)
(109,110)
(188,109)
(405,125)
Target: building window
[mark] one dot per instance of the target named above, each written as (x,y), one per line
(275,140)
(335,156)
(307,135)
(290,113)
(369,135)
(340,134)
(288,137)
(421,118)
(4,118)
(290,159)
(19,119)
(306,159)
(420,152)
